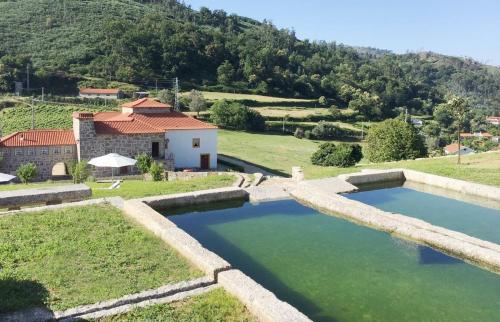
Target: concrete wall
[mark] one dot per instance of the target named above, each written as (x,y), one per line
(19,198)
(44,162)
(373,176)
(180,144)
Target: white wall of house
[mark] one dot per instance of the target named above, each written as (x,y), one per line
(103,96)
(180,144)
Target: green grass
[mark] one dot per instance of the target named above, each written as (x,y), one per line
(279,153)
(213,96)
(130,189)
(65,258)
(214,306)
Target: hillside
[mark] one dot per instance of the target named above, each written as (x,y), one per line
(149,42)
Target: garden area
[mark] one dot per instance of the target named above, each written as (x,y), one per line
(80,255)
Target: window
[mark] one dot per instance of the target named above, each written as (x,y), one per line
(68,150)
(44,151)
(19,152)
(57,151)
(30,151)
(196,143)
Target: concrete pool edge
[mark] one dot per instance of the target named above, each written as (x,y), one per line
(260,301)
(476,251)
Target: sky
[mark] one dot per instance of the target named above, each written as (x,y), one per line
(464,28)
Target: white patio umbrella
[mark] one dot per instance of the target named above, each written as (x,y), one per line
(112,160)
(6,177)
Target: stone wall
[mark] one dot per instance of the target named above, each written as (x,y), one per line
(19,198)
(45,158)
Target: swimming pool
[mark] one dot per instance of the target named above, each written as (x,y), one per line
(478,221)
(334,270)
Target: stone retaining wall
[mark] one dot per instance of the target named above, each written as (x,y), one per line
(47,195)
(196,197)
(261,302)
(482,253)
(373,176)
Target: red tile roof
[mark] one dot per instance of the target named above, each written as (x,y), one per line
(477,134)
(119,123)
(38,138)
(451,148)
(146,103)
(111,91)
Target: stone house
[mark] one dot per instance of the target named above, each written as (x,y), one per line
(105,93)
(143,126)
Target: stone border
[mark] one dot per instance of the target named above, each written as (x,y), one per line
(48,195)
(473,250)
(260,301)
(128,302)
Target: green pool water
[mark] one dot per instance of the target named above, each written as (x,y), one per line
(334,270)
(468,218)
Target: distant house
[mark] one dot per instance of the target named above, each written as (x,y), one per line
(494,120)
(452,149)
(417,122)
(479,134)
(174,139)
(106,93)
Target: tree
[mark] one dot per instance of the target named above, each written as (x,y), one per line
(299,133)
(197,102)
(393,140)
(27,172)
(225,73)
(144,161)
(341,155)
(233,115)
(324,130)
(459,109)
(322,101)
(166,96)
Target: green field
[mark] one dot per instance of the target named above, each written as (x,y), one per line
(278,153)
(65,258)
(214,306)
(213,96)
(137,188)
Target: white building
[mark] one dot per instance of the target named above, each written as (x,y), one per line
(105,93)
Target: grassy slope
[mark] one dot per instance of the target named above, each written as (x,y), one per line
(217,305)
(79,256)
(280,153)
(212,96)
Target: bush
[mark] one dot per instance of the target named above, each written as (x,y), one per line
(299,133)
(79,171)
(325,130)
(236,116)
(144,161)
(341,155)
(393,140)
(156,171)
(27,172)
(308,135)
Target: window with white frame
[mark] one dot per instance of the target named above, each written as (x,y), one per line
(44,151)
(57,151)
(68,150)
(30,151)
(19,152)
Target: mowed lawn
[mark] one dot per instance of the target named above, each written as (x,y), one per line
(279,153)
(130,189)
(213,96)
(214,306)
(81,255)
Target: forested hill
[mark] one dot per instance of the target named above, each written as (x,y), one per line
(143,41)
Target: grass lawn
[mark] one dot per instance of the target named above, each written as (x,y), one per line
(82,255)
(130,189)
(212,96)
(279,153)
(214,306)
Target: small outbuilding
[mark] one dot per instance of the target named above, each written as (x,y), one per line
(452,149)
(105,93)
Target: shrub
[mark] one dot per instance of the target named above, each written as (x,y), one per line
(79,171)
(325,130)
(27,172)
(156,171)
(236,116)
(144,161)
(308,135)
(393,140)
(341,155)
(299,133)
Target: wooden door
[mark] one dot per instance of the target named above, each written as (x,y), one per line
(205,161)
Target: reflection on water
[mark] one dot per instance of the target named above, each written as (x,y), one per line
(334,270)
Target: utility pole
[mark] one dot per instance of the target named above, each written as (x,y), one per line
(28,78)
(362,130)
(32,114)
(156,86)
(406,114)
(176,88)
(43,94)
